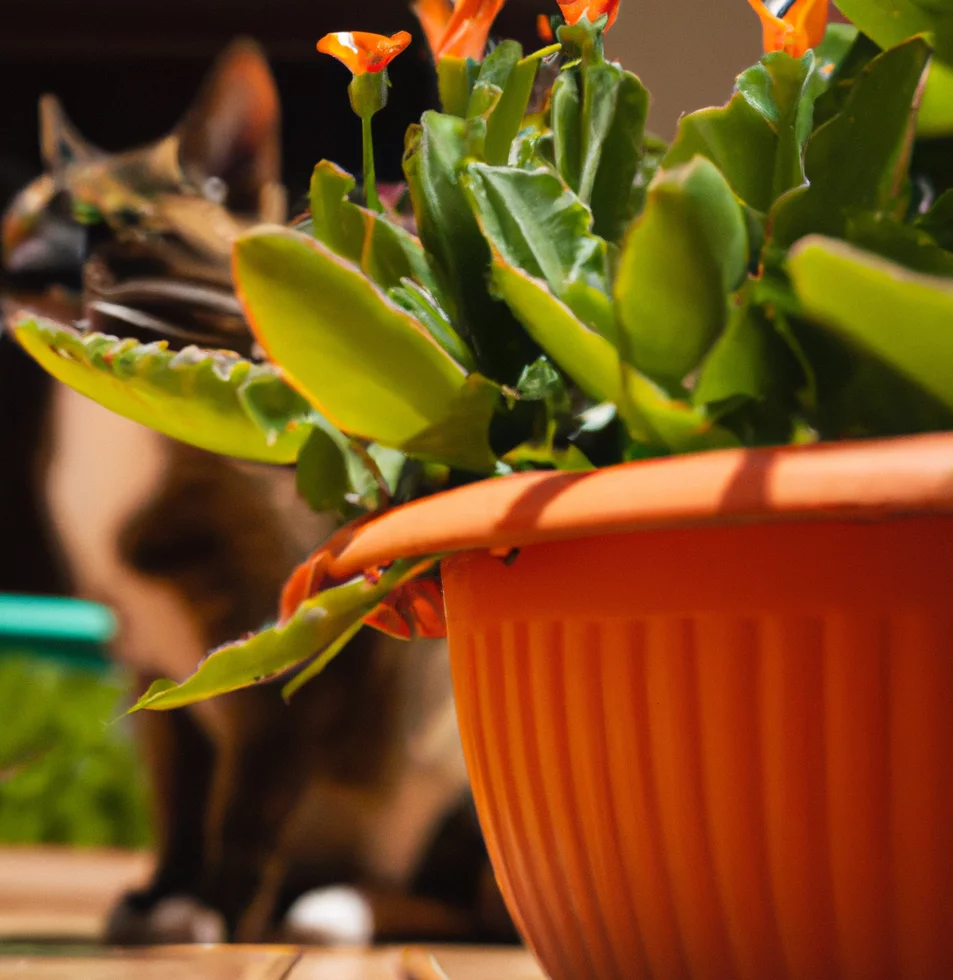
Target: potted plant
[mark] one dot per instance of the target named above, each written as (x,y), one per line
(672,426)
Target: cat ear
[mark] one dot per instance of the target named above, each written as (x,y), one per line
(232,133)
(61,145)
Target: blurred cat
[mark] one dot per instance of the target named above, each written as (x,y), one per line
(348,810)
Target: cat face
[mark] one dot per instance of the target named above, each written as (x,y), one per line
(143,237)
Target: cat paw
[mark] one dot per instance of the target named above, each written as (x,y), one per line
(338,916)
(172,920)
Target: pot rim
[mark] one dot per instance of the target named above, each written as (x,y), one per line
(858,481)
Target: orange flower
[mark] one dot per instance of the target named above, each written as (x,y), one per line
(414,609)
(594,9)
(796,27)
(544,29)
(364,53)
(460,31)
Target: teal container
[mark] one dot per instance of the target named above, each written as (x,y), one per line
(72,631)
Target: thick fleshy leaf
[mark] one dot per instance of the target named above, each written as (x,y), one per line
(751,380)
(757,140)
(936,110)
(902,318)
(594,364)
(506,71)
(858,160)
(681,260)
(537,224)
(385,252)
(891,22)
(425,309)
(322,477)
(938,221)
(831,101)
(436,155)
(509,116)
(566,113)
(316,625)
(904,244)
(362,361)
(455,78)
(599,131)
(210,399)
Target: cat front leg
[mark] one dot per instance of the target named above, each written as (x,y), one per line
(180,758)
(256,788)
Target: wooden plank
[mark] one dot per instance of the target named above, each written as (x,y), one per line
(58,893)
(454,963)
(181,962)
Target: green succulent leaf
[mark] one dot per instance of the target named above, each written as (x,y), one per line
(831,101)
(680,262)
(594,364)
(891,22)
(434,161)
(362,361)
(752,381)
(322,475)
(938,221)
(599,132)
(511,75)
(455,79)
(936,110)
(210,399)
(901,318)
(384,251)
(858,161)
(566,115)
(315,626)
(757,140)
(537,224)
(425,309)
(906,245)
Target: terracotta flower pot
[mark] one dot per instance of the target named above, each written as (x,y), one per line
(708,707)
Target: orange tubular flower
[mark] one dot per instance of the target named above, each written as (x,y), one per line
(460,31)
(573,10)
(545,29)
(364,53)
(797,26)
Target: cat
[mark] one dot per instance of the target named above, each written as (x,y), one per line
(344,816)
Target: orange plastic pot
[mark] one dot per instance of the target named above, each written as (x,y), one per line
(708,709)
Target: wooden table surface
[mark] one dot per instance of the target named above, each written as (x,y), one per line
(53,902)
(270,963)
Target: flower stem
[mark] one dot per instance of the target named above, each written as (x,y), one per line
(370,177)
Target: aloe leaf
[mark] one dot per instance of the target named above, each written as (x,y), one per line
(316,625)
(902,318)
(210,399)
(681,260)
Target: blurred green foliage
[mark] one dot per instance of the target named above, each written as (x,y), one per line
(68,771)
